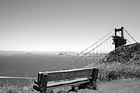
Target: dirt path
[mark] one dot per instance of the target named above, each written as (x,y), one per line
(117,86)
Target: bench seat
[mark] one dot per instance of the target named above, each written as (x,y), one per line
(68,82)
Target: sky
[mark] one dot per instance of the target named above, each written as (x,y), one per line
(64,25)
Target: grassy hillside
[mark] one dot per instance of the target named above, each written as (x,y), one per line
(123,54)
(123,62)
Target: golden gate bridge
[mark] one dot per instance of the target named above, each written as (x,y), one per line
(113,39)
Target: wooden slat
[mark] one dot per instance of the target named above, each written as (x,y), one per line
(76,81)
(68,74)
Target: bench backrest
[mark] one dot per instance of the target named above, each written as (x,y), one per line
(67,74)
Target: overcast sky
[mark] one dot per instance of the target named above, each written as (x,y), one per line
(64,25)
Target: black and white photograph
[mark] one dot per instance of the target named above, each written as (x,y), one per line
(69,46)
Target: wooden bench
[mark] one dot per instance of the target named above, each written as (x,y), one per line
(84,77)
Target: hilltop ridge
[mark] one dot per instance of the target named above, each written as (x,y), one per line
(123,54)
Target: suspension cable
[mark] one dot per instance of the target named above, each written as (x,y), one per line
(130,35)
(83,50)
(128,40)
(89,51)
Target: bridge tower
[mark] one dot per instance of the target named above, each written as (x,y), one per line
(119,40)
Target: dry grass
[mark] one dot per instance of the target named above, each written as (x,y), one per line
(113,71)
(20,87)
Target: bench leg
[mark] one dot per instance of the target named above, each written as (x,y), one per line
(43,84)
(93,80)
(92,85)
